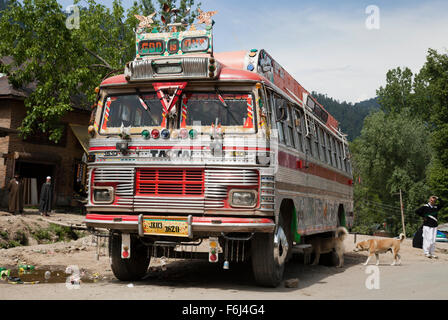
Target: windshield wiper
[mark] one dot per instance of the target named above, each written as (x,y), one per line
(142,101)
(221,99)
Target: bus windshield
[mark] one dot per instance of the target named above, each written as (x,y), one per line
(146,110)
(226,109)
(132,110)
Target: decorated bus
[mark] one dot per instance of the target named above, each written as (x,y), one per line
(222,156)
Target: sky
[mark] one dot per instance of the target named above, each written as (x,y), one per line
(340,48)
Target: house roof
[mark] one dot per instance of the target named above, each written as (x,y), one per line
(7,90)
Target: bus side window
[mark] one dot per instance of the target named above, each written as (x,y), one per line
(308,148)
(323,157)
(289,126)
(316,150)
(298,118)
(279,103)
(327,142)
(338,154)
(333,152)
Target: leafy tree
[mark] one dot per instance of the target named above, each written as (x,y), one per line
(186,12)
(43,52)
(392,153)
(434,75)
(397,95)
(63,63)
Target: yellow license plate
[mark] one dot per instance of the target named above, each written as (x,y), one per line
(166,226)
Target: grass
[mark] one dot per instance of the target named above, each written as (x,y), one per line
(19,239)
(56,233)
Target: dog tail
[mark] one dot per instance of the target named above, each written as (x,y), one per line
(402,237)
(342,233)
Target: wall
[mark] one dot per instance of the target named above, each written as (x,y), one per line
(63,177)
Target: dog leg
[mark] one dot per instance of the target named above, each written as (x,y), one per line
(341,259)
(368,259)
(395,257)
(377,256)
(316,258)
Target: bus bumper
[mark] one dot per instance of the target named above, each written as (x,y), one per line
(130,223)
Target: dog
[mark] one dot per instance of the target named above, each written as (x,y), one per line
(327,245)
(377,246)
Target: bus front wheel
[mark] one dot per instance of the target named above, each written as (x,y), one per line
(136,266)
(269,252)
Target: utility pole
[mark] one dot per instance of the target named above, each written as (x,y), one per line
(402,213)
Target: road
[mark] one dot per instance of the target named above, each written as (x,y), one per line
(416,278)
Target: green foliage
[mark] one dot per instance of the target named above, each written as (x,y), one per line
(55,233)
(147,7)
(392,153)
(61,63)
(405,146)
(396,96)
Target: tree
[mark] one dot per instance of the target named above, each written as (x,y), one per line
(434,84)
(186,13)
(63,63)
(392,153)
(397,95)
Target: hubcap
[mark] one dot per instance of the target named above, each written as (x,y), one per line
(281,246)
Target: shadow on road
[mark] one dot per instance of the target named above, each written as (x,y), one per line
(202,274)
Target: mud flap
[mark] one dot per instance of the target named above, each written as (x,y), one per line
(125,246)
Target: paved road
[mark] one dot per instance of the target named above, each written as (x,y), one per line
(200,280)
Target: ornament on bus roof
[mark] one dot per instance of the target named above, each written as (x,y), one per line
(145,22)
(206,17)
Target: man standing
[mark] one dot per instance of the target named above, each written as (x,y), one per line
(46,198)
(15,189)
(429,213)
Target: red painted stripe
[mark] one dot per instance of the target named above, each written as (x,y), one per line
(290,161)
(231,220)
(179,147)
(108,217)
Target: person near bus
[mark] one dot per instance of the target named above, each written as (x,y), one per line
(15,189)
(429,213)
(46,197)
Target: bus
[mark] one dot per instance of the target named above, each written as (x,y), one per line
(225,156)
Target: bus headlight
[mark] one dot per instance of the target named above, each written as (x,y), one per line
(103,195)
(243,198)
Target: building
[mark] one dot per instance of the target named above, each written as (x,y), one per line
(37,157)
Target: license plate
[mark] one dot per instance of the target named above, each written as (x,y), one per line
(166,226)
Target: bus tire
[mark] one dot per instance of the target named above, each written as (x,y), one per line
(269,252)
(131,269)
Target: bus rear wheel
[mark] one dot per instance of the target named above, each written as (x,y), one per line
(269,253)
(136,266)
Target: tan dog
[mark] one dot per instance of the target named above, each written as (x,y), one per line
(327,245)
(377,246)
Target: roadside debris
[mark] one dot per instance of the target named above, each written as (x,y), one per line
(292,283)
